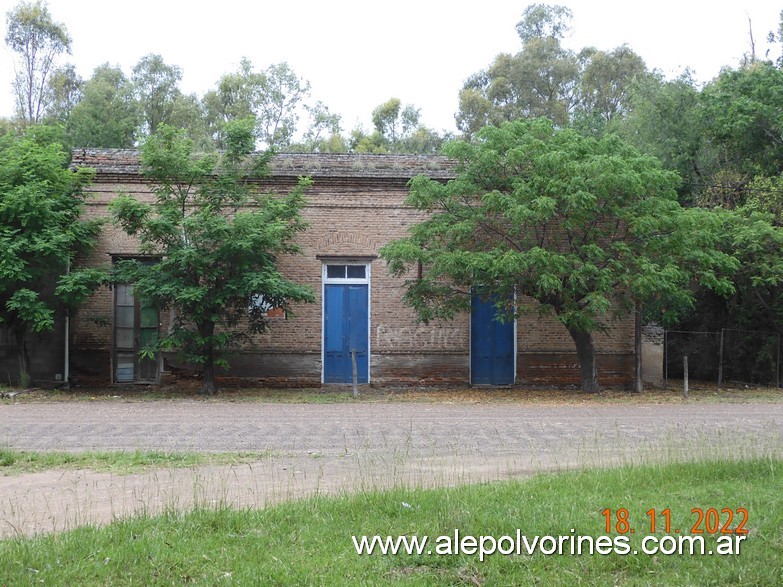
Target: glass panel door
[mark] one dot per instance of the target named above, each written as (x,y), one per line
(124,334)
(135,329)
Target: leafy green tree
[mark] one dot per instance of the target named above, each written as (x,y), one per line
(7,126)
(397,130)
(541,21)
(754,310)
(107,115)
(323,134)
(425,141)
(589,88)
(188,114)
(719,139)
(233,98)
(724,141)
(277,111)
(741,113)
(541,80)
(219,240)
(156,87)
(273,96)
(38,40)
(362,142)
(585,227)
(41,236)
(607,81)
(66,87)
(665,121)
(394,122)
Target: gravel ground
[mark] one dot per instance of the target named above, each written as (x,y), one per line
(306,449)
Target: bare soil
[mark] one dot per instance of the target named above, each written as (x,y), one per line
(373,443)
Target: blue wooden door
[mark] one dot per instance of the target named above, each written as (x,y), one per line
(345,330)
(491,345)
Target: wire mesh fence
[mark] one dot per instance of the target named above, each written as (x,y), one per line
(702,350)
(728,356)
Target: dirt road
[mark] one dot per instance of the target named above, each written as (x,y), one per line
(310,448)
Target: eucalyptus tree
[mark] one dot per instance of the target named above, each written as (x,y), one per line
(545,78)
(37,39)
(397,129)
(66,89)
(156,88)
(540,80)
(107,115)
(274,97)
(323,133)
(665,121)
(607,82)
(394,122)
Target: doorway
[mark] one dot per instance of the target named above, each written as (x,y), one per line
(346,322)
(135,329)
(492,345)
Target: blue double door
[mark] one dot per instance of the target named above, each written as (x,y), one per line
(346,326)
(491,345)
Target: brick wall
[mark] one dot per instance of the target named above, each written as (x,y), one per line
(354,207)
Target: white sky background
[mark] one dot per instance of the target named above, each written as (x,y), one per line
(359,53)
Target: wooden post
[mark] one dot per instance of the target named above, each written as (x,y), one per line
(638,347)
(355,374)
(665,359)
(720,359)
(685,375)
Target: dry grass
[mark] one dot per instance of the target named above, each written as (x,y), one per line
(699,392)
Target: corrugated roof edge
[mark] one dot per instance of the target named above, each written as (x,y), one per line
(125,162)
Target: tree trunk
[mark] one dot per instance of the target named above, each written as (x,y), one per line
(208,386)
(25,380)
(585,350)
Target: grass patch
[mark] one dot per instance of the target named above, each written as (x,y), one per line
(17,462)
(309,542)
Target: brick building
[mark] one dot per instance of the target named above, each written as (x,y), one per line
(354,207)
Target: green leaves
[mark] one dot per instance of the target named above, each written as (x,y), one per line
(107,115)
(37,39)
(130,213)
(584,226)
(26,305)
(76,286)
(741,111)
(41,233)
(217,241)
(589,89)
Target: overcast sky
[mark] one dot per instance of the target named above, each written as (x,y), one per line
(358,53)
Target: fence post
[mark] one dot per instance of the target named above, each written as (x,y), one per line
(355,374)
(777,366)
(720,359)
(638,386)
(685,374)
(665,359)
